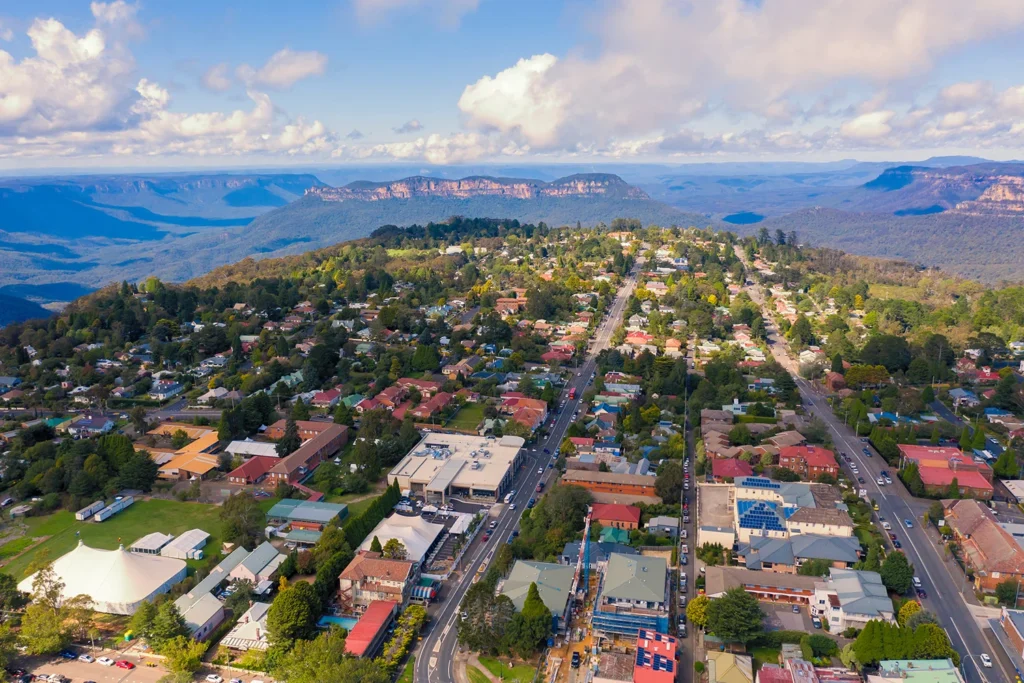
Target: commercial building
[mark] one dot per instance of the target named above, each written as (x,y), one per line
(611,487)
(417,535)
(632,595)
(655,658)
(443,465)
(253,471)
(940,466)
(850,598)
(769,508)
(115,581)
(988,549)
(195,460)
(554,585)
(188,546)
(370,577)
(916,671)
(368,634)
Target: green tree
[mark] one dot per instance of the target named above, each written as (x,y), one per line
(897,573)
(179,439)
(697,610)
(184,655)
(911,476)
(927,394)
(292,615)
(1007,591)
(394,549)
(735,617)
(375,546)
(922,617)
(300,411)
(324,659)
(817,567)
(243,520)
(167,625)
(43,631)
(909,609)
(529,629)
(872,561)
(669,482)
(290,442)
(931,642)
(141,623)
(1005,466)
(953,490)
(343,415)
(8,645)
(10,597)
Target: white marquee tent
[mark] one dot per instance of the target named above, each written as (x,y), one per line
(116,580)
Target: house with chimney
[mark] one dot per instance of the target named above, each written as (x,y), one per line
(369,577)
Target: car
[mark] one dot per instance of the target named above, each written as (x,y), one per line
(124,664)
(917,582)
(540,487)
(515,532)
(548,451)
(686,519)
(105,661)
(907,523)
(682,600)
(487,536)
(880,481)
(861,480)
(816,621)
(682,630)
(922,594)
(236,680)
(213,678)
(887,526)
(530,503)
(493,523)
(684,533)
(897,545)
(892,537)
(540,470)
(684,549)
(683,560)
(86,658)
(986,661)
(511,506)
(887,480)
(575,660)
(796,609)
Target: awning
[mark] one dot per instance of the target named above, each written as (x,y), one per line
(424,592)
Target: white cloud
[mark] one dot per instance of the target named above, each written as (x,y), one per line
(740,57)
(355,135)
(6,34)
(447,13)
(217,78)
(410,126)
(868,126)
(118,15)
(284,69)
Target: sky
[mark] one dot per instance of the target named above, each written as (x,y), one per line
(190,84)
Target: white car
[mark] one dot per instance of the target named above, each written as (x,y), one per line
(511,506)
(540,470)
(86,658)
(887,526)
(986,661)
(105,661)
(214,678)
(880,481)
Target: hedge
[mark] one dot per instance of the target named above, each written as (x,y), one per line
(359,527)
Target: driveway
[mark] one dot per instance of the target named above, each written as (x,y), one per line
(781,617)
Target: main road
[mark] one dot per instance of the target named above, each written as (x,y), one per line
(436,653)
(895,504)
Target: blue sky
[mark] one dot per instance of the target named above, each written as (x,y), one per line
(190,84)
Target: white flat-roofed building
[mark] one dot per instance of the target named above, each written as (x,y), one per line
(187,546)
(443,465)
(151,544)
(249,448)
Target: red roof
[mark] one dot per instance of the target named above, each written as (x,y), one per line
(374,620)
(655,658)
(731,467)
(773,674)
(614,512)
(581,441)
(254,468)
(814,457)
(941,476)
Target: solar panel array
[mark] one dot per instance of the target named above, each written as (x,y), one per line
(759,514)
(760,483)
(655,662)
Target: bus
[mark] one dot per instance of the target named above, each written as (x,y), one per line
(572,393)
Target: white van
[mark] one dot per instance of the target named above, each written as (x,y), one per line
(917,582)
(508,498)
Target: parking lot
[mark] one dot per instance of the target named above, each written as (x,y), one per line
(781,617)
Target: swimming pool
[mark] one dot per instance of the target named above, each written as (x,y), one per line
(344,622)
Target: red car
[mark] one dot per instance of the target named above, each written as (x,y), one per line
(124,664)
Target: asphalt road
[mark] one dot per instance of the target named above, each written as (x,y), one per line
(436,653)
(895,504)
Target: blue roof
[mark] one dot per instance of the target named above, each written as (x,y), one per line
(997,411)
(758,483)
(759,514)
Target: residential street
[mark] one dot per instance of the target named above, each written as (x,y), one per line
(436,652)
(895,504)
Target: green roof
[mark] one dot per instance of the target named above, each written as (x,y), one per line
(635,577)
(318,512)
(554,583)
(612,535)
(920,670)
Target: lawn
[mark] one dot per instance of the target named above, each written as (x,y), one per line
(765,655)
(167,516)
(12,548)
(469,417)
(524,673)
(476,675)
(407,672)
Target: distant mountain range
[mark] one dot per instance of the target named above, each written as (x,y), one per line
(13,309)
(60,237)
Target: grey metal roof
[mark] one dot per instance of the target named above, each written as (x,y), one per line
(860,592)
(635,577)
(835,548)
(306,511)
(260,558)
(554,583)
(213,579)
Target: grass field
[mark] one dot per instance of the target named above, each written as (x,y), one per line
(476,675)
(167,516)
(469,417)
(765,655)
(523,673)
(407,672)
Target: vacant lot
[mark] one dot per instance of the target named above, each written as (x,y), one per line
(469,417)
(166,516)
